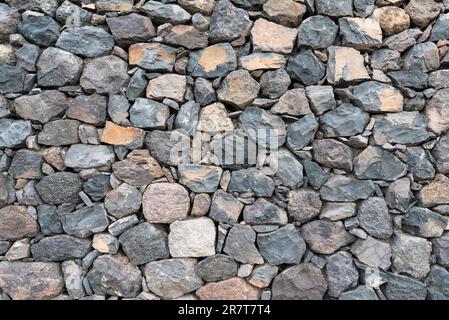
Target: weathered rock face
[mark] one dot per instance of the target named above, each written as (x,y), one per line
(224,149)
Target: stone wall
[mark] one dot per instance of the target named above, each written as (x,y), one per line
(244,149)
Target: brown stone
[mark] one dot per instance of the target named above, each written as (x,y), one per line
(53,157)
(231,289)
(212,62)
(201,205)
(202,6)
(437,112)
(172,86)
(286,12)
(345,65)
(138,169)
(392,19)
(165,202)
(435,193)
(238,89)
(118,135)
(16,223)
(214,118)
(186,36)
(422,12)
(294,102)
(31,280)
(262,61)
(152,56)
(272,37)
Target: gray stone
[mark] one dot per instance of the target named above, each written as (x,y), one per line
(303,205)
(91,109)
(374,218)
(334,8)
(212,62)
(424,223)
(274,84)
(73,277)
(263,127)
(317,32)
(60,248)
(386,60)
(321,98)
(316,176)
(240,245)
(84,156)
(262,275)
(144,243)
(423,56)
(440,248)
(360,33)
(41,107)
(200,178)
(306,67)
(172,278)
(187,117)
(376,163)
(294,102)
(166,13)
(436,111)
(325,237)
(419,164)
(137,85)
(41,30)
(216,268)
(57,68)
(105,75)
(149,114)
(414,79)
(59,187)
(49,220)
(225,207)
(440,28)
(372,252)
(375,97)
(95,41)
(333,154)
(26,164)
(441,156)
(123,201)
(59,133)
(341,273)
(31,280)
(437,283)
(97,187)
(251,180)
(411,255)
(162,143)
(399,195)
(335,211)
(289,169)
(7,190)
(12,79)
(264,212)
(154,57)
(132,28)
(362,292)
(85,221)
(115,275)
(404,288)
(118,227)
(65,15)
(10,20)
(301,133)
(27,56)
(300,282)
(283,246)
(238,89)
(204,92)
(344,189)
(344,121)
(227,22)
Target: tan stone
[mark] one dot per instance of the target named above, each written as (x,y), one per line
(360,33)
(294,102)
(392,19)
(272,37)
(231,289)
(214,118)
(118,5)
(7,54)
(422,12)
(186,36)
(201,205)
(435,193)
(437,112)
(53,157)
(170,86)
(16,223)
(202,6)
(262,61)
(285,12)
(212,57)
(165,202)
(345,65)
(118,135)
(152,56)
(238,89)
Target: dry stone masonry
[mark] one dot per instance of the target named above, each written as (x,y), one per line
(224,149)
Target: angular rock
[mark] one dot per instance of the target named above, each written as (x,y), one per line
(335,211)
(238,89)
(360,293)
(165,203)
(372,252)
(166,13)
(303,205)
(72,16)
(240,245)
(300,282)
(274,84)
(283,246)
(216,268)
(31,280)
(423,56)
(187,117)
(152,56)
(162,144)
(437,111)
(16,223)
(105,75)
(231,289)
(97,187)
(404,288)
(40,30)
(26,164)
(60,248)
(225,207)
(95,41)
(172,278)
(439,29)
(437,283)
(272,37)
(440,248)
(89,109)
(212,62)
(374,218)
(59,187)
(317,32)
(286,12)
(228,22)
(424,223)
(345,65)
(56,68)
(116,135)
(59,133)
(344,189)
(172,86)
(411,255)
(301,132)
(200,178)
(294,102)
(132,28)
(214,118)
(12,79)
(419,164)
(192,238)
(341,273)
(145,243)
(85,221)
(332,153)
(435,193)
(9,21)
(392,19)
(399,196)
(344,121)
(123,201)
(186,36)
(115,275)
(334,8)
(251,180)
(204,92)
(360,33)
(325,237)
(262,61)
(88,156)
(378,164)
(375,97)
(7,190)
(41,107)
(149,114)
(73,277)
(306,67)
